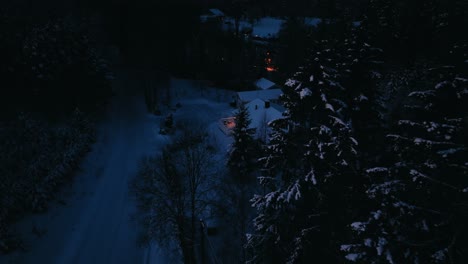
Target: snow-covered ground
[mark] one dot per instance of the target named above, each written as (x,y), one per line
(204,105)
(92,222)
(267,27)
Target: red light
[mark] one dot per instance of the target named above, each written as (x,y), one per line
(270,69)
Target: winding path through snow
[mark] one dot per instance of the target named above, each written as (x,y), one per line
(93,222)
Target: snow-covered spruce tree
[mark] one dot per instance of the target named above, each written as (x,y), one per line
(380,21)
(244,149)
(309,174)
(421,197)
(361,64)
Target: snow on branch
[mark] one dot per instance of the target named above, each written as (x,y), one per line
(416,174)
(422,94)
(305,92)
(292,82)
(338,121)
(293,191)
(377,169)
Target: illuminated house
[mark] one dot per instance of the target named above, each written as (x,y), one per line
(262,105)
(260,112)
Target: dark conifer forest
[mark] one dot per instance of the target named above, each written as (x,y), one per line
(138,107)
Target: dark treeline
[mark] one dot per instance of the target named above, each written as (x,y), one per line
(155,34)
(54,84)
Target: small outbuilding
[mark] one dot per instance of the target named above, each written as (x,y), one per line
(271,95)
(265,84)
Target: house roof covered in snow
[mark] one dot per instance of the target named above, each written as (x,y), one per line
(213,13)
(267,27)
(260,114)
(216,12)
(265,95)
(264,84)
(312,21)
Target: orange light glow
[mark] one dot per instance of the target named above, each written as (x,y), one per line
(230,125)
(270,69)
(229,122)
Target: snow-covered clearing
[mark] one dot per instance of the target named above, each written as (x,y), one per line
(92,222)
(203,105)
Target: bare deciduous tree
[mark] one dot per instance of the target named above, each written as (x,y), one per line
(175,190)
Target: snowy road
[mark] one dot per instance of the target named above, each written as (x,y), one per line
(92,222)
